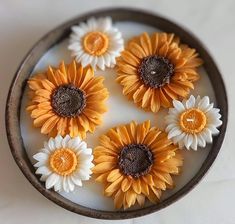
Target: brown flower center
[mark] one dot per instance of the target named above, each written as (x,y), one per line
(135,160)
(192,121)
(63,161)
(95,43)
(155,71)
(68,101)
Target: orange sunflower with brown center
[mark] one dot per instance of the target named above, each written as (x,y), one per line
(156,69)
(67,100)
(135,162)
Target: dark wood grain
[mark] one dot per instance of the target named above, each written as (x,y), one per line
(55,36)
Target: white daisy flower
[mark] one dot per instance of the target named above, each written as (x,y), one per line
(96,43)
(193,122)
(64,163)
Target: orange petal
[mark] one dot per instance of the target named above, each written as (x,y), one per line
(130,197)
(140,199)
(118,199)
(137,50)
(104,158)
(128,69)
(63,68)
(123,133)
(130,58)
(126,184)
(146,43)
(114,175)
(103,167)
(38,122)
(136,186)
(48,85)
(72,72)
(151,136)
(44,93)
(49,124)
(154,41)
(114,185)
(147,97)
(102,178)
(165,102)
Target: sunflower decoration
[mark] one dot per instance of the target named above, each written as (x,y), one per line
(96,42)
(67,100)
(193,122)
(135,162)
(156,69)
(64,163)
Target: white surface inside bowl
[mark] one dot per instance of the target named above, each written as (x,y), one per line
(121,111)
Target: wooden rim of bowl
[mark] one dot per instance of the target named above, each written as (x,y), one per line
(18,84)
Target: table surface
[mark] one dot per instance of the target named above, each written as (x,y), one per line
(23,22)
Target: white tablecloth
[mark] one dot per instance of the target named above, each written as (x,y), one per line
(23,22)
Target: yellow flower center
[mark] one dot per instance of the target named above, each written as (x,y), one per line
(192,121)
(95,43)
(63,161)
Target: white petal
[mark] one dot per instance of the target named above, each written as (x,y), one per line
(58,185)
(204,103)
(70,184)
(78,30)
(190,102)
(174,132)
(113,59)
(207,135)
(51,144)
(198,99)
(201,140)
(40,163)
(51,180)
(100,63)
(215,122)
(74,143)
(105,24)
(74,38)
(43,170)
(65,184)
(84,60)
(188,141)
(173,111)
(87,151)
(209,107)
(58,141)
(82,174)
(178,138)
(107,60)
(83,145)
(76,180)
(46,148)
(170,126)
(43,178)
(194,143)
(85,158)
(79,55)
(213,129)
(75,46)
(41,156)
(94,62)
(178,105)
(65,141)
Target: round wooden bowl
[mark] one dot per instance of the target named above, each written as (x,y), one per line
(18,84)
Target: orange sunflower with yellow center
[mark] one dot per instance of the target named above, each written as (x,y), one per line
(67,100)
(156,69)
(135,162)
